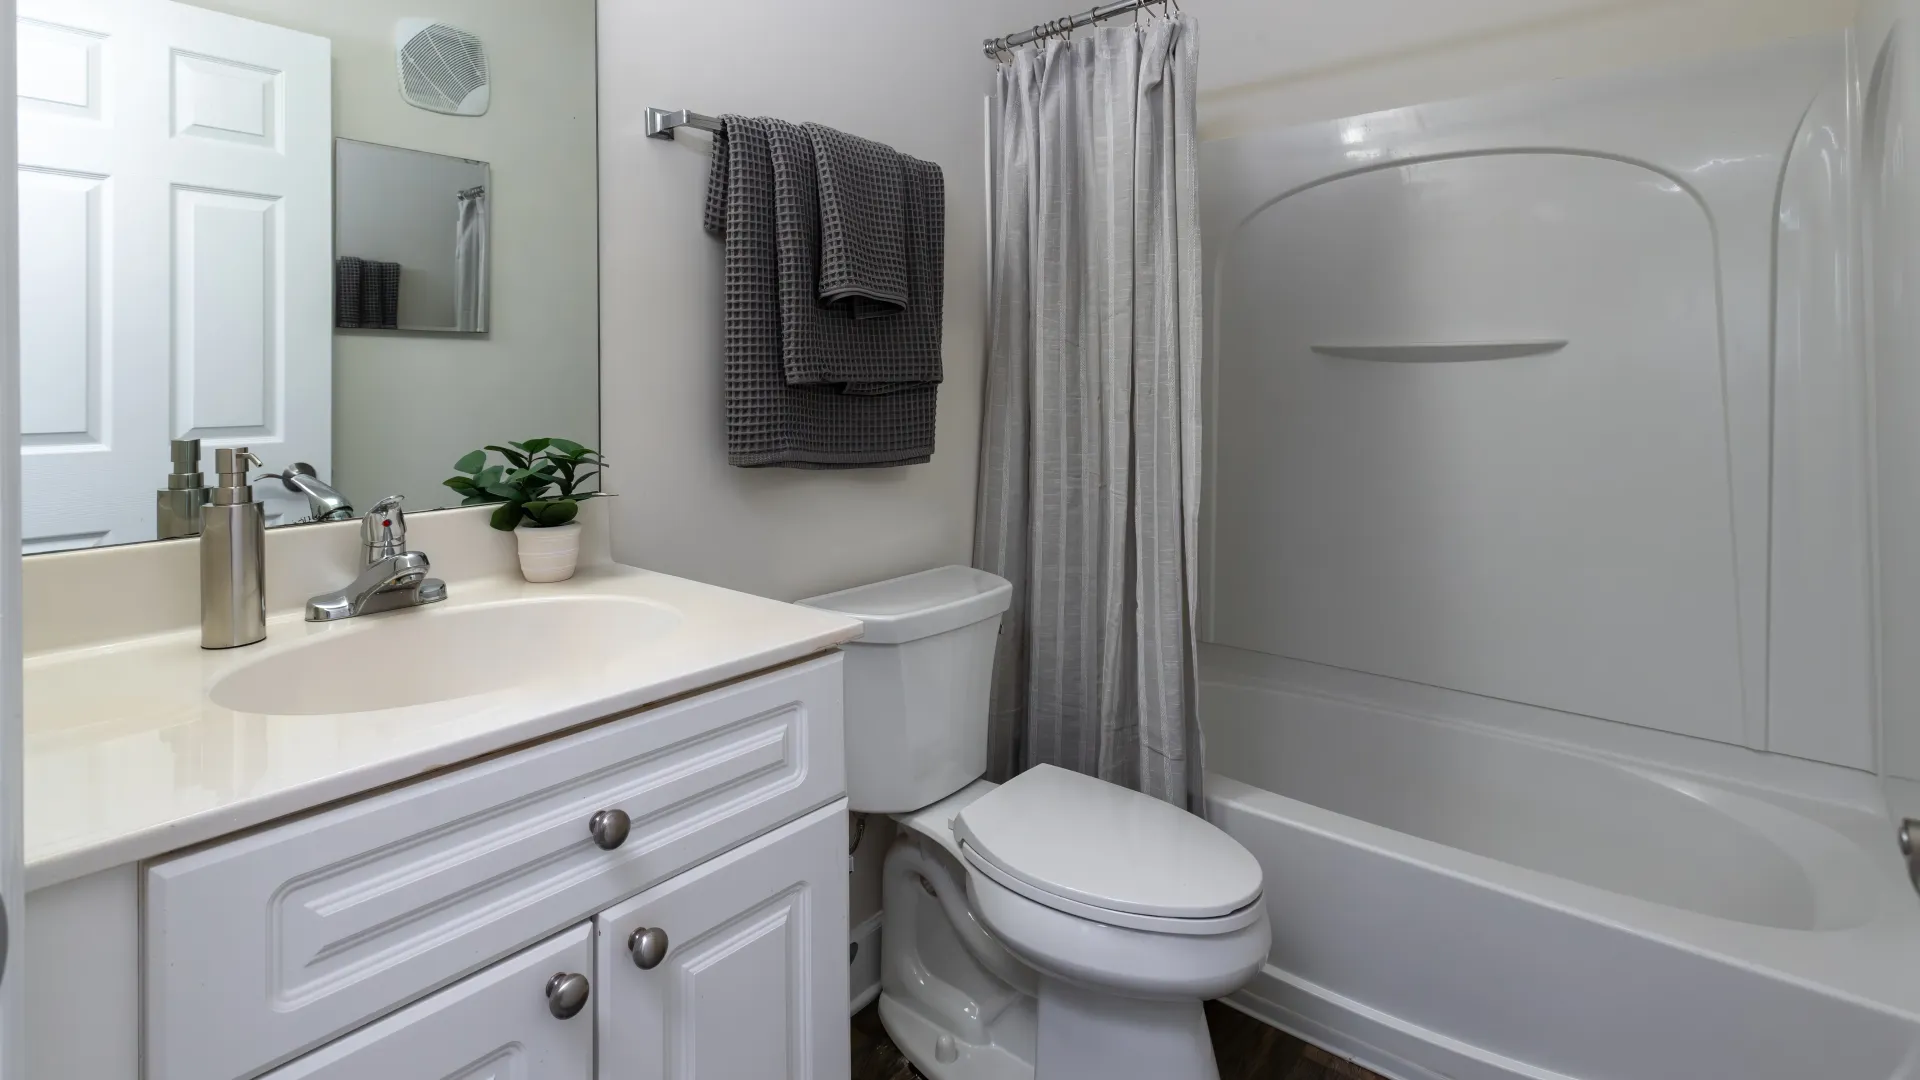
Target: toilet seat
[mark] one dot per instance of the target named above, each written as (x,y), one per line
(1155,924)
(1097,851)
(1117,959)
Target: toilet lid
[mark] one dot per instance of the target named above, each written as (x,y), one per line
(1097,844)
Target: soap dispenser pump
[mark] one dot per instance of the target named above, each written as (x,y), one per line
(233,557)
(180,507)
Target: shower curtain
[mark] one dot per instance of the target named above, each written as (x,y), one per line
(470,261)
(1090,484)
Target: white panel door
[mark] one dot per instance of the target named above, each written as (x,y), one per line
(754,979)
(494,1025)
(176,247)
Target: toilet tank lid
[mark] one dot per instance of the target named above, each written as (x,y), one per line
(920,605)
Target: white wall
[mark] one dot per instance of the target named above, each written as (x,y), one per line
(406,406)
(907,74)
(1266,63)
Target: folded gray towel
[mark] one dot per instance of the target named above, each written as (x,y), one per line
(770,422)
(349,284)
(824,345)
(366,294)
(380,304)
(863,222)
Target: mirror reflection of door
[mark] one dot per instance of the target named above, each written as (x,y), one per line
(175,245)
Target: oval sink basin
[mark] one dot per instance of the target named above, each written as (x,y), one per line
(425,655)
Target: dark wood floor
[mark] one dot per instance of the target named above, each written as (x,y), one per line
(1246,1049)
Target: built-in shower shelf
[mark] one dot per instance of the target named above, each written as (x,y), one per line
(1442,352)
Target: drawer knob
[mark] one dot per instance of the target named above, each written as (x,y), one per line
(610,828)
(567,995)
(648,946)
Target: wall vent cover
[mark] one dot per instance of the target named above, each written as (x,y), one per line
(442,68)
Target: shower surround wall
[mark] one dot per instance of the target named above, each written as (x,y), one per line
(1643,500)
(1887,82)
(1537,597)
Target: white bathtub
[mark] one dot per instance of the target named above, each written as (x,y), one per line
(1453,899)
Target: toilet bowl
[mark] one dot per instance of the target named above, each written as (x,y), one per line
(1055,927)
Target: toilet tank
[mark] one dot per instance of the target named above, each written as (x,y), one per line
(917,684)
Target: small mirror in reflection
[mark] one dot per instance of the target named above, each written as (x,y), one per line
(410,240)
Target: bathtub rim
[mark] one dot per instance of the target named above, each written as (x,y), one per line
(1792,956)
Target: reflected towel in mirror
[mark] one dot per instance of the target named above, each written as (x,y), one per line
(366,294)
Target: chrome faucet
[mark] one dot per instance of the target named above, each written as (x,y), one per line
(324,502)
(393,576)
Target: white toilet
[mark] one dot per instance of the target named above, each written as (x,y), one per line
(1055,927)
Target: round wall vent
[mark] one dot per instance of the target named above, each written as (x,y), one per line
(442,68)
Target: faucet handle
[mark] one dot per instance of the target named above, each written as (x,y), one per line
(384,530)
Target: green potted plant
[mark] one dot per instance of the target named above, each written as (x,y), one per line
(539,491)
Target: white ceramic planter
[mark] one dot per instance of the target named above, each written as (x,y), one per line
(548,554)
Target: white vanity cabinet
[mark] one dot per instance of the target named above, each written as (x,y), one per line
(745,970)
(409,933)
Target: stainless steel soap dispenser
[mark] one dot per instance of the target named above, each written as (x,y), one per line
(233,557)
(179,508)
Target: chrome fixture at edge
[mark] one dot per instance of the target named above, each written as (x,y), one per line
(324,501)
(1910,847)
(661,123)
(393,576)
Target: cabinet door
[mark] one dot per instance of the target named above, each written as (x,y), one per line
(754,979)
(494,1025)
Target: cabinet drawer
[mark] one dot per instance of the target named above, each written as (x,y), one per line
(493,1024)
(264,947)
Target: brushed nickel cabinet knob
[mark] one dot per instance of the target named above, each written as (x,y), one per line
(648,946)
(567,995)
(610,828)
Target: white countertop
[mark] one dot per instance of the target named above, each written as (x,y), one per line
(127,758)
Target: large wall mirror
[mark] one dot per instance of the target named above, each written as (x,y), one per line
(235,229)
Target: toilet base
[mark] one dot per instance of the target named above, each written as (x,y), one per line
(1087,1035)
(940,1056)
(961,1006)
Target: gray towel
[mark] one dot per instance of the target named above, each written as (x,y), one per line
(863,222)
(366,294)
(833,345)
(349,285)
(768,421)
(380,306)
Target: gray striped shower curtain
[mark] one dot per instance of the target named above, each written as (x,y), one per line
(1090,481)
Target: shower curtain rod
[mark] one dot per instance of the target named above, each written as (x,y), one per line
(661,123)
(995,46)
